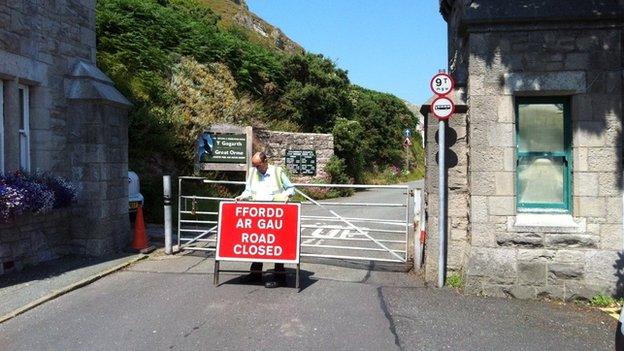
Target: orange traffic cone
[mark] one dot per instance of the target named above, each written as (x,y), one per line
(140,241)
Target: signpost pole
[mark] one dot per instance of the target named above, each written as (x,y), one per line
(442,107)
(442,202)
(406,147)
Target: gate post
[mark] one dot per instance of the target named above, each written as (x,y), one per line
(417,220)
(167,204)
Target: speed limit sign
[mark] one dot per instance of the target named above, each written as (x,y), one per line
(442,107)
(442,84)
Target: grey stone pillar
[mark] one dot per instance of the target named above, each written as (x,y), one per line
(11,125)
(99,160)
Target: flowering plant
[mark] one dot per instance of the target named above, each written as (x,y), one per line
(396,171)
(36,192)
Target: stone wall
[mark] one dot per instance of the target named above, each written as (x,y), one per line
(458,194)
(78,126)
(538,255)
(275,145)
(33,239)
(577,259)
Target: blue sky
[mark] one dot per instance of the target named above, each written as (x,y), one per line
(391,46)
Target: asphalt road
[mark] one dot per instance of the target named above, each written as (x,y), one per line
(169,303)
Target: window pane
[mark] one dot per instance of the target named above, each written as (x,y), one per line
(540,128)
(540,180)
(21,108)
(23,155)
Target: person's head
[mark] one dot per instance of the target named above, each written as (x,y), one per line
(260,162)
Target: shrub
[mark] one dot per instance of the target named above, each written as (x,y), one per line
(337,171)
(37,192)
(601,300)
(348,136)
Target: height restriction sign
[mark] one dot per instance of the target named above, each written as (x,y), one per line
(442,84)
(442,107)
(258,232)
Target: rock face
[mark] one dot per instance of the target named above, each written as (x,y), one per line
(241,3)
(249,20)
(420,128)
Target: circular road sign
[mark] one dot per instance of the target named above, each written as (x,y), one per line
(442,107)
(442,84)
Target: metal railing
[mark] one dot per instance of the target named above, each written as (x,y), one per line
(338,228)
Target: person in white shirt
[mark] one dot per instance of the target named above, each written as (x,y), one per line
(266,182)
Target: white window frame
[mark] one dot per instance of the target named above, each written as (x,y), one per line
(1,127)
(24,133)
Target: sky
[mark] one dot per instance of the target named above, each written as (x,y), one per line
(390,46)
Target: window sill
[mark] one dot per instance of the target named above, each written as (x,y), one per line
(546,222)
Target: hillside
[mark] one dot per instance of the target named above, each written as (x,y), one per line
(236,14)
(187,64)
(420,128)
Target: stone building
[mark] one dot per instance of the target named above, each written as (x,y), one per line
(535,173)
(61,114)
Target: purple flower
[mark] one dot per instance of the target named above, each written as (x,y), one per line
(11,202)
(36,193)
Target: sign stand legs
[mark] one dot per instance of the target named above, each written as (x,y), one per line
(216,273)
(215,281)
(297,276)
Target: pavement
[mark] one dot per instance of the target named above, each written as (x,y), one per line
(169,302)
(22,291)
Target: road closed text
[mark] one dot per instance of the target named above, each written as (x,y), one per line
(257,244)
(258,231)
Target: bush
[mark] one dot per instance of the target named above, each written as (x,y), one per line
(21,193)
(336,169)
(601,300)
(383,117)
(348,136)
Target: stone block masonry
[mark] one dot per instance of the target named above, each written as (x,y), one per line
(275,145)
(32,239)
(78,129)
(500,57)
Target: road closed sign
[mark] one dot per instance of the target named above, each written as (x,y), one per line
(442,107)
(258,232)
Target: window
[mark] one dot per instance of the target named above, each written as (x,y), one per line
(543,169)
(24,128)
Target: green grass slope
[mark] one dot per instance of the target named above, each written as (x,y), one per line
(186,64)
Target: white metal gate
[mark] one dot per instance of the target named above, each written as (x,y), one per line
(375,224)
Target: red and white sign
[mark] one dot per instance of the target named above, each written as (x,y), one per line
(258,232)
(442,84)
(442,107)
